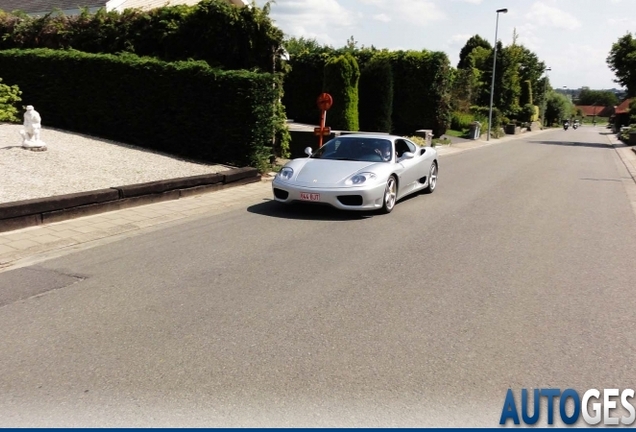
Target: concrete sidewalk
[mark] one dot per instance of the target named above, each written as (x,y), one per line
(35,244)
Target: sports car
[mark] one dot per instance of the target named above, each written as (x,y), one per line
(359,172)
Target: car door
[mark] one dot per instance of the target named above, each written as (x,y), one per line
(409,175)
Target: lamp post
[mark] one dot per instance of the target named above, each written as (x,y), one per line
(544,105)
(494,64)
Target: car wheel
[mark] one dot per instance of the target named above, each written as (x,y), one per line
(432,179)
(390,195)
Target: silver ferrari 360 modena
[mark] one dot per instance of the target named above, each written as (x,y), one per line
(359,172)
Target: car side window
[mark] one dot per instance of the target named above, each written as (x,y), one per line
(412,147)
(401,147)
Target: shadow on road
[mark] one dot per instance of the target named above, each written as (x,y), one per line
(573,144)
(302,211)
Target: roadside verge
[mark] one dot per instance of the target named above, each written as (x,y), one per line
(27,213)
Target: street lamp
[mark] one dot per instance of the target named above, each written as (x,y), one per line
(494,64)
(544,105)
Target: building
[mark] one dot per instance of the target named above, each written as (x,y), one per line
(73,7)
(595,110)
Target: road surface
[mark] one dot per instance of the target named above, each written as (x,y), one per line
(518,272)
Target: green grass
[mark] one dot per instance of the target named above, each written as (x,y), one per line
(456,133)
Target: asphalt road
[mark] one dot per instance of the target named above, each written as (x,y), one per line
(518,272)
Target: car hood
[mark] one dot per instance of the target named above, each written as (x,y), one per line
(327,173)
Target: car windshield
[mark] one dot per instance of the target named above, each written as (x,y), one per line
(366,149)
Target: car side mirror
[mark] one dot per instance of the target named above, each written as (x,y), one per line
(308,151)
(407,155)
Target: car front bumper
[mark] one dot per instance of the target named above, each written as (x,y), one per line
(368,197)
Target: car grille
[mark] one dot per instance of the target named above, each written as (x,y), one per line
(280,194)
(350,200)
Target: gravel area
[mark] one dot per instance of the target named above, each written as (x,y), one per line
(78,163)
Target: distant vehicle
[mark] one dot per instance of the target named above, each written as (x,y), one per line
(576,124)
(359,172)
(566,125)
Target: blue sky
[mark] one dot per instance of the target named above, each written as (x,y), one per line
(573,37)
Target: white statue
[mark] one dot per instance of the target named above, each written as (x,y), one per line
(32,126)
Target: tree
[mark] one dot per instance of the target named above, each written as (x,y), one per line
(297,46)
(599,98)
(622,61)
(471,44)
(558,108)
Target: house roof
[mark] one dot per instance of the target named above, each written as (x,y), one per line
(596,110)
(623,107)
(45,6)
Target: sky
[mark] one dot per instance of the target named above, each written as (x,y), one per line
(572,37)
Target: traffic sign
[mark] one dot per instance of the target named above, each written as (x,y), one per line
(324,101)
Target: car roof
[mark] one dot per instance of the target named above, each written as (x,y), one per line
(371,135)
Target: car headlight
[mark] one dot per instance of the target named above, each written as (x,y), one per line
(286,173)
(360,178)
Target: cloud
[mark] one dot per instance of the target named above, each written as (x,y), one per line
(549,16)
(382,17)
(417,12)
(459,39)
(616,21)
(312,19)
(528,36)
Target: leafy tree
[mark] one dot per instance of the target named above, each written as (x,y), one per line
(558,107)
(622,61)
(471,44)
(297,46)
(597,97)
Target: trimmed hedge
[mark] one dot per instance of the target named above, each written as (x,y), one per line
(421,92)
(183,108)
(302,86)
(213,31)
(341,82)
(376,95)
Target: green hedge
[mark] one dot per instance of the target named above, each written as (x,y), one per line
(376,95)
(183,108)
(213,30)
(302,86)
(341,82)
(421,92)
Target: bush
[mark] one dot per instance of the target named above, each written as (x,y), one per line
(183,108)
(376,95)
(498,120)
(341,82)
(9,97)
(461,121)
(527,113)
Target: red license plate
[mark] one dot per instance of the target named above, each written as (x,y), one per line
(305,196)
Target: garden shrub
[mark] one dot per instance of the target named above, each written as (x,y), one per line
(9,97)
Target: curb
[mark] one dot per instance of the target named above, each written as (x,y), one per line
(22,214)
